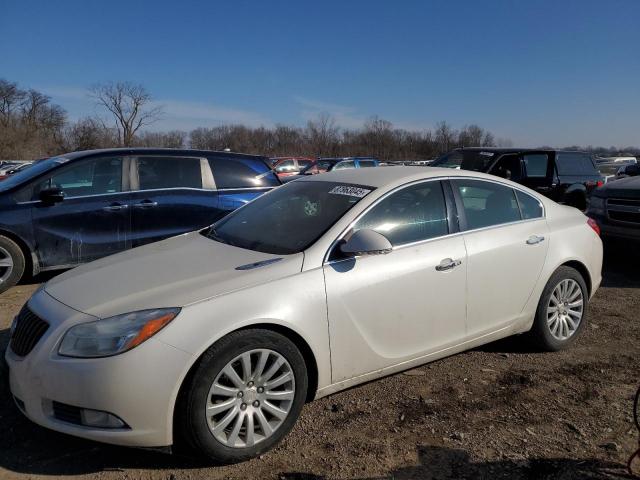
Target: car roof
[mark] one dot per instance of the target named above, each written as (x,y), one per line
(384,177)
(155,151)
(515,150)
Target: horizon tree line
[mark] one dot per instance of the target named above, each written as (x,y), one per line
(32,127)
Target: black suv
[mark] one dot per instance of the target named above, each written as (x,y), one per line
(616,206)
(78,207)
(564,176)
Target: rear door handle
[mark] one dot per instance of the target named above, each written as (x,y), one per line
(448,264)
(146,204)
(534,239)
(115,207)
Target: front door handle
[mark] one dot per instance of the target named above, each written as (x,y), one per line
(115,207)
(146,204)
(534,239)
(447,264)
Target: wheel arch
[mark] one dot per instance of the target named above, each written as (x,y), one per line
(289,333)
(582,269)
(32,264)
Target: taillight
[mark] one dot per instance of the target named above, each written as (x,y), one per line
(594,225)
(599,183)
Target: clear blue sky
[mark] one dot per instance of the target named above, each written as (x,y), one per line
(556,72)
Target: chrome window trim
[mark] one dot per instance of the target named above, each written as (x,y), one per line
(326,260)
(129,191)
(156,190)
(247,188)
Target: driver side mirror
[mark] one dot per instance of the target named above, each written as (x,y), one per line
(366,242)
(51,196)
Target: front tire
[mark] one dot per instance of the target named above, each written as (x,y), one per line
(12,263)
(244,396)
(562,310)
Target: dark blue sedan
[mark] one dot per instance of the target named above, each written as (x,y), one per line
(82,206)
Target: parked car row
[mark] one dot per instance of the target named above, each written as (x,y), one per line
(564,176)
(215,339)
(290,168)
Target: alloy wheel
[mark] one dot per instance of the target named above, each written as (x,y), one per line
(565,309)
(250,398)
(6,265)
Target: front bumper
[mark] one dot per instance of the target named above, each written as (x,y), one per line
(139,386)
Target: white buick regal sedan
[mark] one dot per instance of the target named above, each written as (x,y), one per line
(215,339)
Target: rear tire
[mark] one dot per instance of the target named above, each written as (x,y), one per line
(562,311)
(222,415)
(12,263)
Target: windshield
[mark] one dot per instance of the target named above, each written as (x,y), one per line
(33,171)
(289,219)
(474,160)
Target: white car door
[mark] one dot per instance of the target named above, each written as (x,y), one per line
(388,309)
(507,239)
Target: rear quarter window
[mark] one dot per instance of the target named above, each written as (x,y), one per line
(530,207)
(572,163)
(242,173)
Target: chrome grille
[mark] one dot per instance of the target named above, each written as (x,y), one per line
(625,210)
(28,331)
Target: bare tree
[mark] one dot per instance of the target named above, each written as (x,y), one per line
(322,134)
(445,137)
(10,98)
(171,139)
(130,105)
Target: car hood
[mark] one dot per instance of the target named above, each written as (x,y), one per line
(628,187)
(171,273)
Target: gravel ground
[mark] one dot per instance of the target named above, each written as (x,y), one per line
(500,411)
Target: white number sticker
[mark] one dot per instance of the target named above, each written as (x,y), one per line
(349,191)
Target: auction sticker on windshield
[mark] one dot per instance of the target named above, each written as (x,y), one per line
(350,191)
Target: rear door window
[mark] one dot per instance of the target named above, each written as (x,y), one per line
(536,164)
(574,163)
(242,173)
(169,172)
(486,203)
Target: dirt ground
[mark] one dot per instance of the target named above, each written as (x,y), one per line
(500,411)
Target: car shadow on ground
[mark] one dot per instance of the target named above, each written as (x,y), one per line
(440,463)
(621,264)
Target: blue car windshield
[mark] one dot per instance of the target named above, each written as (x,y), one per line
(33,171)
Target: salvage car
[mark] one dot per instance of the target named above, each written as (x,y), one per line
(14,169)
(564,176)
(616,207)
(215,339)
(78,207)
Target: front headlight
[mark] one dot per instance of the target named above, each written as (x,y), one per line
(111,336)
